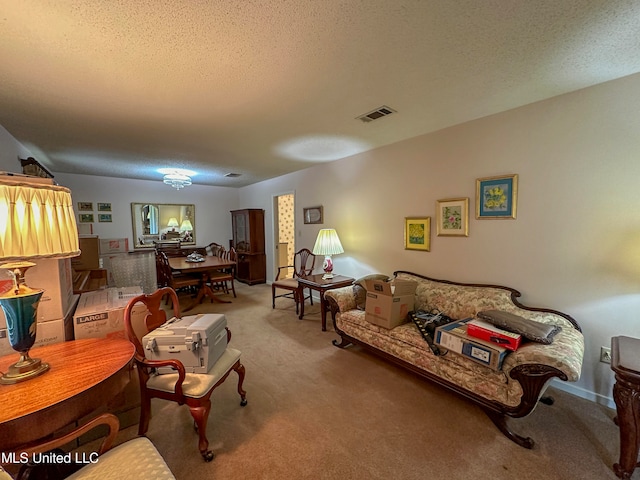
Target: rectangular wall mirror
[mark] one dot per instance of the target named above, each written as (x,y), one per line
(159,222)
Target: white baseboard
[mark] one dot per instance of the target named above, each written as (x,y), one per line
(582,393)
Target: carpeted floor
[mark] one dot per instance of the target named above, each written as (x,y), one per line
(317,412)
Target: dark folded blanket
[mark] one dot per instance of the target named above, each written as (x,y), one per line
(529,329)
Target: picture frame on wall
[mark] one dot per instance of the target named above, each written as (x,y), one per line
(452,217)
(496,197)
(313,215)
(104,207)
(417,233)
(86,218)
(85,206)
(104,217)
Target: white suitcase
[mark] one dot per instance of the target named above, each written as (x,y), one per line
(198,341)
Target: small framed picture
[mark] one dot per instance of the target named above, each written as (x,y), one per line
(496,197)
(452,216)
(417,233)
(85,206)
(104,207)
(104,217)
(86,218)
(312,214)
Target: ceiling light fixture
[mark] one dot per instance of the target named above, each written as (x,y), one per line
(177,180)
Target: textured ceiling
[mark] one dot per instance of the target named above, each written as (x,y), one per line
(263,88)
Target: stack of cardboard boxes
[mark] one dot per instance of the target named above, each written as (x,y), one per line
(57,305)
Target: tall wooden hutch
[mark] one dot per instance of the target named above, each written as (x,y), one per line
(248,240)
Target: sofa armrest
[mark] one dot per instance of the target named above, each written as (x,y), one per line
(343,297)
(565,354)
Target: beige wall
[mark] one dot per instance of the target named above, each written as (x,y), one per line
(575,245)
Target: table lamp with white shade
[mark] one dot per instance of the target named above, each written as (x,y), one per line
(327,244)
(36,221)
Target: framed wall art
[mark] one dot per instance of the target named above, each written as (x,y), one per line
(86,218)
(417,233)
(104,217)
(496,197)
(312,214)
(452,217)
(85,206)
(104,207)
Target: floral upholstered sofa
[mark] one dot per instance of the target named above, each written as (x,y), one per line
(513,391)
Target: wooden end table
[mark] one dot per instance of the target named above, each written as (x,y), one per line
(321,285)
(625,362)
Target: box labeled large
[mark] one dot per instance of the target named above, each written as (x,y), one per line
(490,333)
(388,303)
(101,313)
(453,336)
(198,341)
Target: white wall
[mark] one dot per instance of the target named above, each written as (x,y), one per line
(212,204)
(575,245)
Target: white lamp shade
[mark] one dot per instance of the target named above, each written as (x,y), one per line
(36,221)
(327,243)
(186,226)
(173,222)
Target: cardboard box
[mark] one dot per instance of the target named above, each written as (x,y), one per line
(101,313)
(89,258)
(453,336)
(47,333)
(490,333)
(114,245)
(55,277)
(388,303)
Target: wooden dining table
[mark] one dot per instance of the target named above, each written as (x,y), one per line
(205,268)
(84,375)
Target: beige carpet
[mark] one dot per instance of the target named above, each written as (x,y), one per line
(318,412)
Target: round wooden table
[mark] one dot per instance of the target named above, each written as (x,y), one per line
(84,375)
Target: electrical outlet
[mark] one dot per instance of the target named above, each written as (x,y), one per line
(605,354)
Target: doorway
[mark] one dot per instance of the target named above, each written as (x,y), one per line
(285,230)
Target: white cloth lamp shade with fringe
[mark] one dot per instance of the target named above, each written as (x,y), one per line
(327,244)
(173,223)
(186,226)
(36,221)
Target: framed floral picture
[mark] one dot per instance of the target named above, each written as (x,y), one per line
(417,233)
(452,217)
(496,197)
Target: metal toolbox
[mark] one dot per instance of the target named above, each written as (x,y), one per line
(198,341)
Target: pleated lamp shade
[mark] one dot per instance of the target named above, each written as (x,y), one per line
(36,221)
(327,243)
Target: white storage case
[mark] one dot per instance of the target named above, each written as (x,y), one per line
(198,341)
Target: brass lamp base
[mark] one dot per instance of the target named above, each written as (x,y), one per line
(24,369)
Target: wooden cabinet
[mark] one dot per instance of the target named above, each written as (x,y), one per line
(248,240)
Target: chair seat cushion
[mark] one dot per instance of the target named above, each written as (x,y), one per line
(136,458)
(196,385)
(290,283)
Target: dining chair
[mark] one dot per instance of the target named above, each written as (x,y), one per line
(303,262)
(136,458)
(177,281)
(223,278)
(213,249)
(192,389)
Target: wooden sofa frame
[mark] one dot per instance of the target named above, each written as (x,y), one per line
(532,377)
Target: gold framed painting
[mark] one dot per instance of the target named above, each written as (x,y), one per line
(417,233)
(496,197)
(452,217)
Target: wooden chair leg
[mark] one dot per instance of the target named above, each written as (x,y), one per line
(239,369)
(233,288)
(145,412)
(200,416)
(273,296)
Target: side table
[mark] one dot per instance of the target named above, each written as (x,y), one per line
(625,362)
(321,285)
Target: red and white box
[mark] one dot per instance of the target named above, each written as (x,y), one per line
(490,333)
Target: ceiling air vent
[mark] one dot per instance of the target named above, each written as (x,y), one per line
(233,175)
(383,111)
